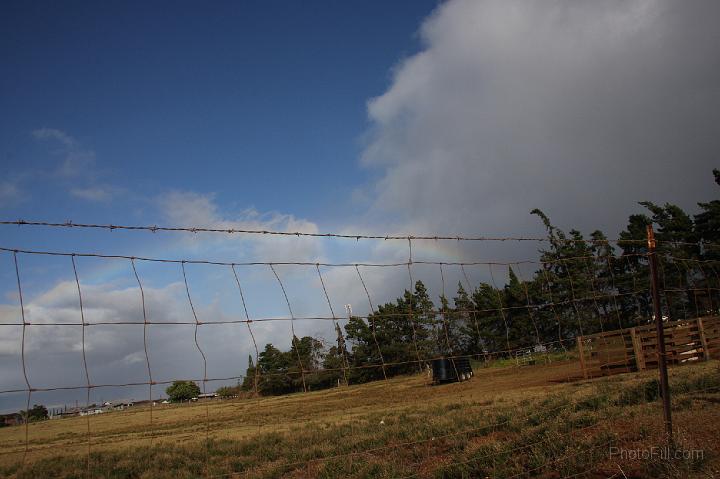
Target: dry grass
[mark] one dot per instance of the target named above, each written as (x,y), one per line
(504,421)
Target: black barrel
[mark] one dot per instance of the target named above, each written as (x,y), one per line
(447,369)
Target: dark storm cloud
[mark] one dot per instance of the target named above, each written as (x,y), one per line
(581,108)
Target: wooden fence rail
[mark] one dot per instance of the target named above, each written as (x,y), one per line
(635,349)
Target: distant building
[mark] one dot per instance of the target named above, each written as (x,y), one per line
(12,419)
(91,411)
(117,405)
(71,411)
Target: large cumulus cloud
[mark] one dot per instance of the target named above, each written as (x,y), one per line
(581,108)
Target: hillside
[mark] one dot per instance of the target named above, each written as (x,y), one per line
(528,421)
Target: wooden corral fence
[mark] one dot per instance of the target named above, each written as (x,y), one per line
(634,349)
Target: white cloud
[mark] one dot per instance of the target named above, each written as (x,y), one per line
(78,161)
(95,193)
(188,209)
(580,108)
(54,134)
(115,353)
(10,193)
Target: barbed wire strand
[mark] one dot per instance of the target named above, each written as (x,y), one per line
(293,263)
(357,237)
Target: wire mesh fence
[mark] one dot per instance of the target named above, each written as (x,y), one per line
(516,313)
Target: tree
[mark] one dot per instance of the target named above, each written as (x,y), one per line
(308,352)
(581,287)
(182,391)
(273,365)
(364,351)
(37,413)
(707,224)
(250,381)
(464,326)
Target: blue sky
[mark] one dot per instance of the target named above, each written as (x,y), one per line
(261,103)
(254,111)
(415,117)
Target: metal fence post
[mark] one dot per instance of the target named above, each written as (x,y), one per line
(662,363)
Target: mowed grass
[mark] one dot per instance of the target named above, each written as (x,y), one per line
(531,421)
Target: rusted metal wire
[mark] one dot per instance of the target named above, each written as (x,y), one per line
(376,315)
(357,237)
(285,373)
(343,353)
(410,299)
(84,358)
(22,356)
(373,316)
(500,304)
(451,349)
(292,327)
(371,319)
(145,345)
(205,378)
(252,335)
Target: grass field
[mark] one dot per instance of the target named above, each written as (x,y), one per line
(529,421)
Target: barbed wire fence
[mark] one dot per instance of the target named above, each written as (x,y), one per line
(554,302)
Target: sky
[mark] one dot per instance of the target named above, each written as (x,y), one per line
(421,117)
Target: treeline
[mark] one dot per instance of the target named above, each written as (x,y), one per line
(584,285)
